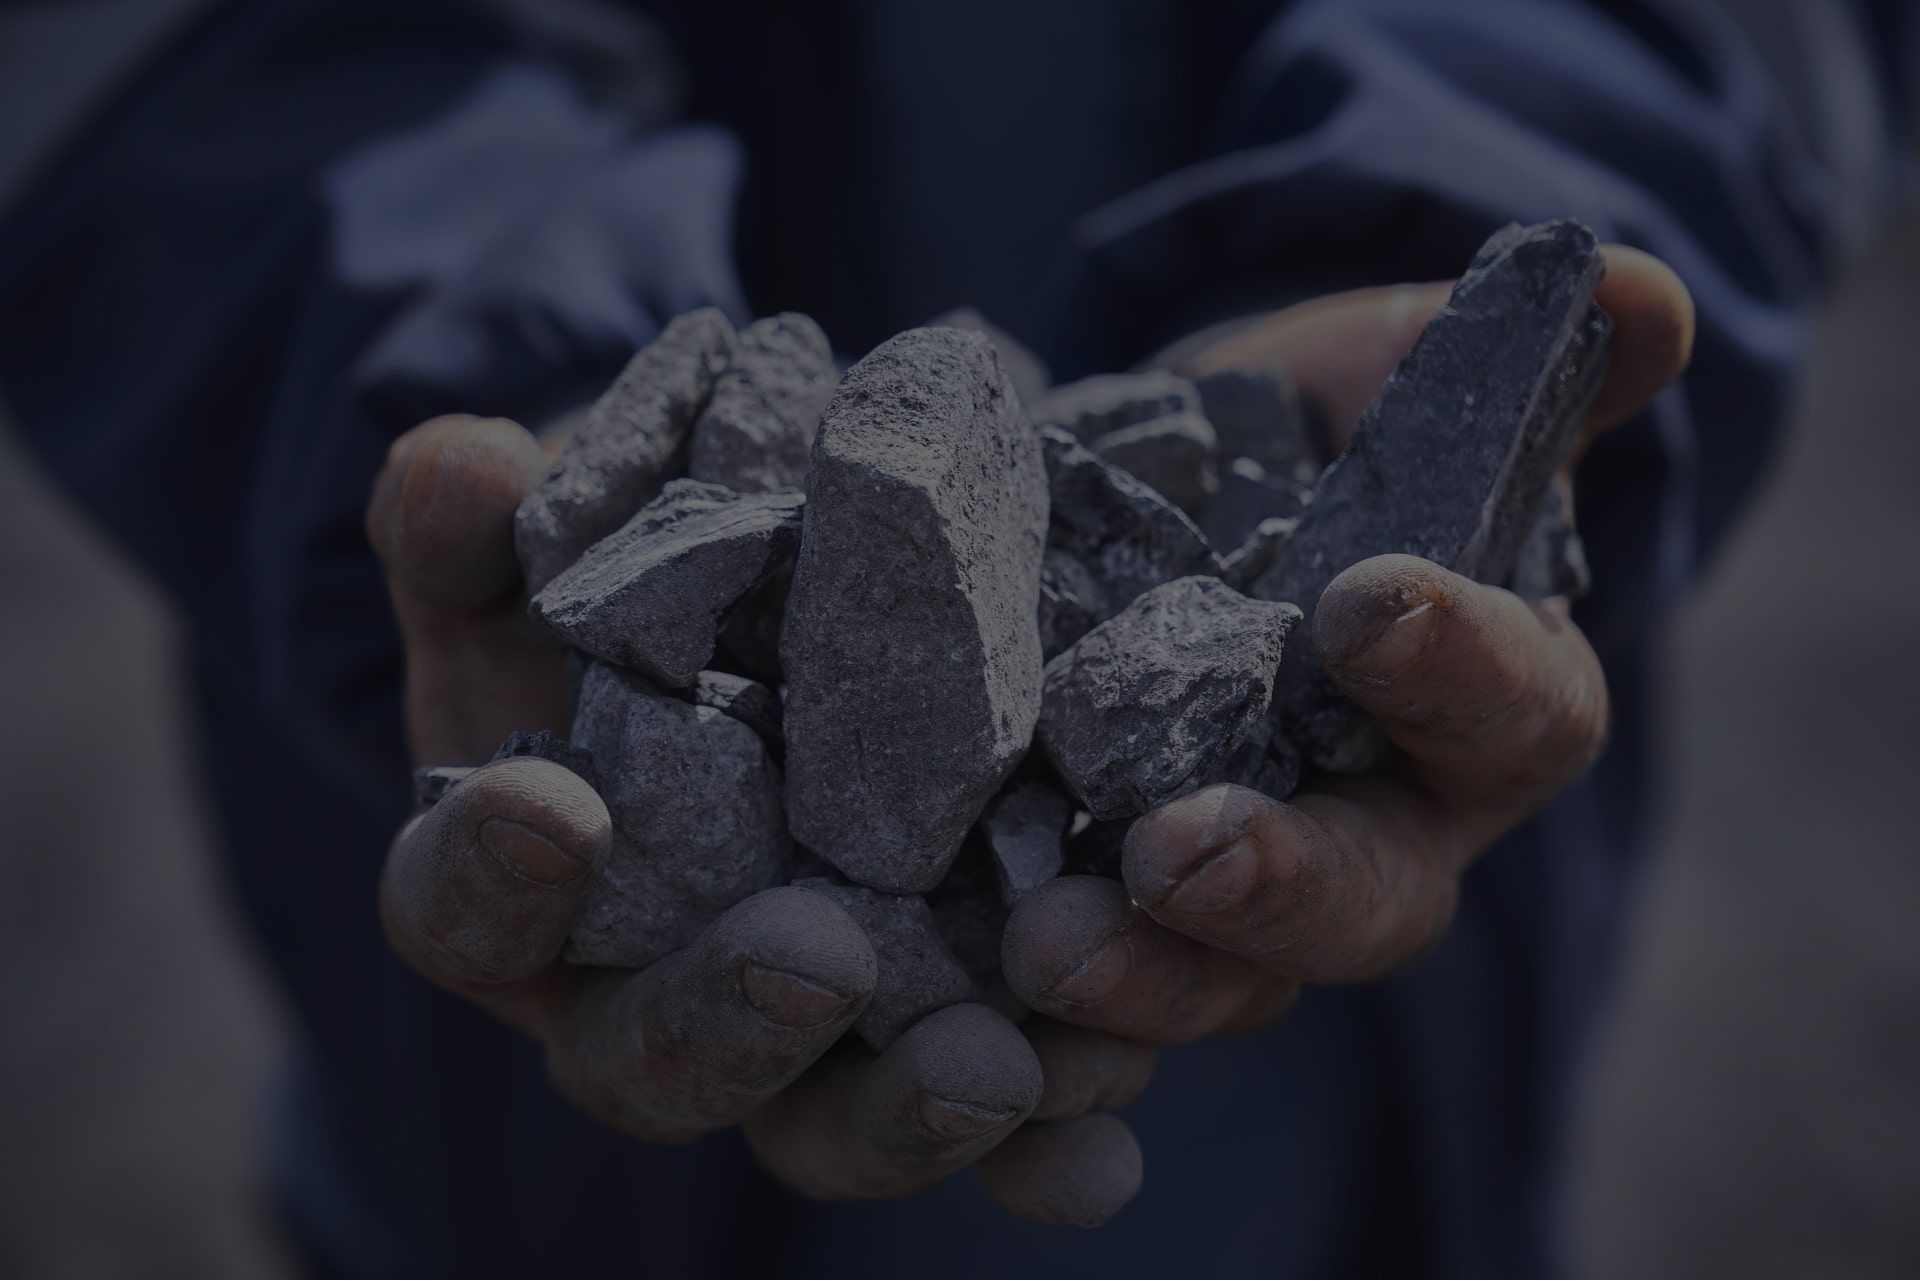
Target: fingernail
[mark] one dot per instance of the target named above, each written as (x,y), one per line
(788,1000)
(1394,648)
(1100,974)
(1218,882)
(956,1119)
(528,854)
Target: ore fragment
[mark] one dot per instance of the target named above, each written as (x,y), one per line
(1094,406)
(757,431)
(746,701)
(1248,496)
(1553,561)
(550,746)
(431,782)
(911,654)
(1174,453)
(652,596)
(1028,373)
(1261,417)
(633,441)
(918,973)
(1151,704)
(1025,828)
(696,814)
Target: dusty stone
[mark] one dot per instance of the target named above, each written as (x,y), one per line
(746,701)
(697,824)
(756,433)
(1028,373)
(911,652)
(653,595)
(633,441)
(550,746)
(1248,495)
(1151,704)
(1261,417)
(431,782)
(1175,454)
(1552,560)
(1092,407)
(918,972)
(1025,828)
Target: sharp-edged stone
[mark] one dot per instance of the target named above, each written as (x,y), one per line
(1175,453)
(756,433)
(1026,827)
(1252,558)
(1553,560)
(1027,371)
(1249,494)
(1262,417)
(918,973)
(1094,406)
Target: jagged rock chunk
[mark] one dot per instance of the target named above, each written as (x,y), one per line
(1553,561)
(1249,494)
(1027,371)
(1261,417)
(633,441)
(918,972)
(911,652)
(1175,453)
(756,433)
(747,701)
(1151,704)
(550,746)
(653,595)
(1026,827)
(431,782)
(1256,555)
(697,824)
(1095,406)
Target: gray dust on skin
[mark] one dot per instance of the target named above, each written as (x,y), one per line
(756,433)
(910,648)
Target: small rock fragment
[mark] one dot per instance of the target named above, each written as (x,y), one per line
(918,972)
(431,782)
(633,441)
(1153,702)
(1028,373)
(652,596)
(911,652)
(1261,417)
(1552,560)
(550,746)
(1248,495)
(1095,847)
(697,824)
(756,433)
(1256,555)
(1026,826)
(746,701)
(1174,453)
(1095,406)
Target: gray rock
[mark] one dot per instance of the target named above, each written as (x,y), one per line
(1261,417)
(756,433)
(1175,453)
(1095,406)
(431,782)
(697,824)
(1247,562)
(750,638)
(1026,827)
(918,973)
(1027,371)
(911,652)
(747,701)
(1151,704)
(550,746)
(633,441)
(1109,538)
(1552,559)
(653,595)
(1249,494)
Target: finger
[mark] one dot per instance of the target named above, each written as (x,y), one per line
(951,1088)
(1079,950)
(1080,1172)
(1653,326)
(702,1038)
(480,891)
(1084,1070)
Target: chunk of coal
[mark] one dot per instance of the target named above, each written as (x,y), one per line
(1248,495)
(550,746)
(1175,453)
(1261,417)
(918,972)
(1109,538)
(1453,458)
(911,652)
(431,782)
(1095,406)
(1553,560)
(1152,703)
(697,824)
(1029,373)
(652,596)
(633,441)
(747,701)
(1247,562)
(1026,827)
(756,433)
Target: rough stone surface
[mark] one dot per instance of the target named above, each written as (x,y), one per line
(1028,373)
(431,782)
(1553,560)
(1109,538)
(911,652)
(746,701)
(1094,406)
(1261,417)
(1175,453)
(756,433)
(653,595)
(1247,562)
(697,824)
(1248,495)
(550,746)
(633,441)
(1453,458)
(1151,704)
(918,972)
(1026,827)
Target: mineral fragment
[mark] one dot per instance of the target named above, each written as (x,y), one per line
(697,824)
(1026,826)
(1552,559)
(1095,406)
(1027,371)
(1174,453)
(746,701)
(633,441)
(911,653)
(550,746)
(757,431)
(1248,495)
(1261,417)
(918,972)
(653,595)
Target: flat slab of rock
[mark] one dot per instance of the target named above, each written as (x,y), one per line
(1028,373)
(653,595)
(1026,829)
(756,433)
(1151,704)
(1094,406)
(697,823)
(911,654)
(634,440)
(918,973)
(1175,453)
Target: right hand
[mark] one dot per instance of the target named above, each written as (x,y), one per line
(744,1027)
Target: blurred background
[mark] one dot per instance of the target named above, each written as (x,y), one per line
(1752,1105)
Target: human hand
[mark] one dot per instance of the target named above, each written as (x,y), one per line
(480,891)
(1232,899)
